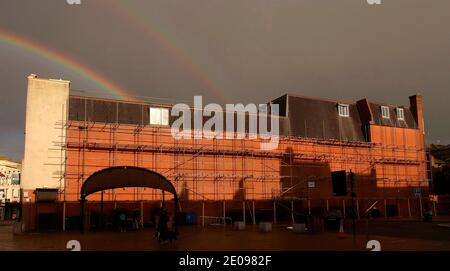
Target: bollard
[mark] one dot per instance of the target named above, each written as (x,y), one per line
(298,228)
(265,226)
(239,225)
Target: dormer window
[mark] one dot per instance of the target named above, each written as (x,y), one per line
(385,112)
(343,110)
(159,116)
(400,113)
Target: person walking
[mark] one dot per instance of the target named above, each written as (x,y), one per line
(123,220)
(136,217)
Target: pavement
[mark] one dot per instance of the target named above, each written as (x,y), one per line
(393,235)
(6,222)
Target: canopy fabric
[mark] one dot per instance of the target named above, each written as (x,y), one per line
(125,176)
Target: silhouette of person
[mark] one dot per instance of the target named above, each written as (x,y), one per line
(162,223)
(123,220)
(136,217)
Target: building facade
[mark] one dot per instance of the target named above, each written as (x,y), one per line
(10,192)
(68,138)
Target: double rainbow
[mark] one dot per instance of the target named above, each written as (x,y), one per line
(31,46)
(136,19)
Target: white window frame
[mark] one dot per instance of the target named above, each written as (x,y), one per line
(385,113)
(344,110)
(400,113)
(15,193)
(161,114)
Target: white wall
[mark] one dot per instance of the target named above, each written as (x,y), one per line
(46,109)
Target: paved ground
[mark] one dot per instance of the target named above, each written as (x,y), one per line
(393,235)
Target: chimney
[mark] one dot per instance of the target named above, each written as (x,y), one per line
(416,108)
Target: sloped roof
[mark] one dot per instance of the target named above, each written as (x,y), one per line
(300,116)
(319,118)
(393,121)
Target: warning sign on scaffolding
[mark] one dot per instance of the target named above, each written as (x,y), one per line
(311,184)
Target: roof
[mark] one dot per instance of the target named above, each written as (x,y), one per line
(392,121)
(319,118)
(299,116)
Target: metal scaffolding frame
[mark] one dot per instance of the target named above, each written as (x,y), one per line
(235,162)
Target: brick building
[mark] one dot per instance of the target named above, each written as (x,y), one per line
(70,137)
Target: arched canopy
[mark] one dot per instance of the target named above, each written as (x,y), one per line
(125,176)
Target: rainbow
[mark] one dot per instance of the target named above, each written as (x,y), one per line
(18,41)
(128,14)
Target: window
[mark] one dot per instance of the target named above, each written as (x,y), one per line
(15,179)
(400,113)
(385,112)
(159,116)
(343,110)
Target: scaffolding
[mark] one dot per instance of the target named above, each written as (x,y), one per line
(224,169)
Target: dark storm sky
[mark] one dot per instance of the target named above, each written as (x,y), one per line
(234,51)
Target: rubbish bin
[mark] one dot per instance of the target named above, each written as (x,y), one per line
(332,220)
(314,224)
(73,223)
(299,228)
(265,226)
(332,223)
(187,218)
(18,228)
(191,218)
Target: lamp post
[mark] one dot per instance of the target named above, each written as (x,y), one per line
(353,194)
